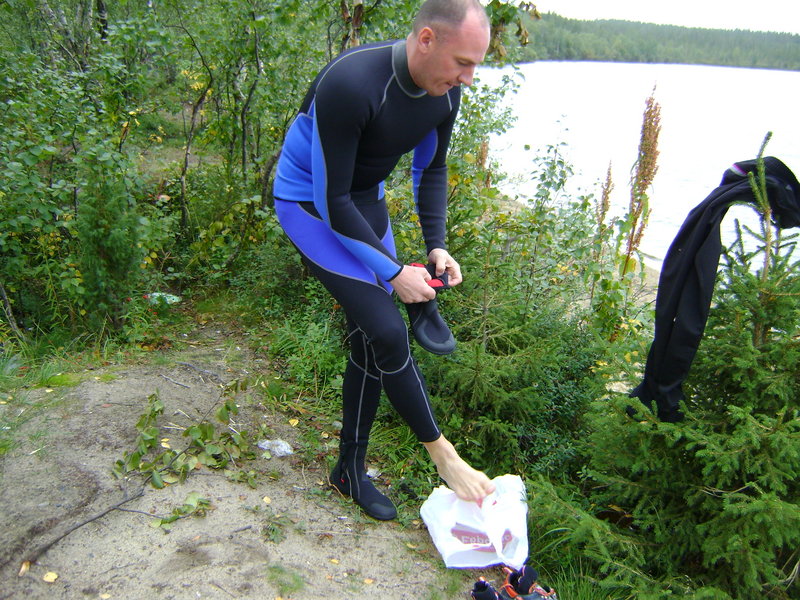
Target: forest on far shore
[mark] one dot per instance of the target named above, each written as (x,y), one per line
(554,37)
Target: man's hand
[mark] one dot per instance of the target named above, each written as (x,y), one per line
(411,285)
(444,262)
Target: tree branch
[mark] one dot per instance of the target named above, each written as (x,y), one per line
(33,556)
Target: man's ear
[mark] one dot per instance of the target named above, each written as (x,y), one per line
(425,39)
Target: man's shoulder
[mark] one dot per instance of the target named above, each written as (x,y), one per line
(357,70)
(367,56)
(370,48)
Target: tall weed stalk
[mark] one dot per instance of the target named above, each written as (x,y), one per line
(615,277)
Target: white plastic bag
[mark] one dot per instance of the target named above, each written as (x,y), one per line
(472,536)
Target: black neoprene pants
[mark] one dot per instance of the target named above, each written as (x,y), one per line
(380,353)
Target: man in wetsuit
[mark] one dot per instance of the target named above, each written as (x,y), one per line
(364,110)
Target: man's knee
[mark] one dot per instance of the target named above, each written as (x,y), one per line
(389,343)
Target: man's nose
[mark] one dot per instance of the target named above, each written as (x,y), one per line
(467,75)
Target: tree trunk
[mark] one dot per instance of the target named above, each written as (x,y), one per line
(12,322)
(102,19)
(353,21)
(188,151)
(192,128)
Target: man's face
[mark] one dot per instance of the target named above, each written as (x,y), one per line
(450,55)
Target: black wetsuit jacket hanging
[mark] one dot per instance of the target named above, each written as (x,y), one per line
(688,275)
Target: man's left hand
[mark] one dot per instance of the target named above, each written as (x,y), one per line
(444,262)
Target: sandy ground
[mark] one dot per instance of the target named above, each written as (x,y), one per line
(291,537)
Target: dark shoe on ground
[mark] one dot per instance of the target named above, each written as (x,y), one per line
(522,581)
(483,590)
(523,585)
(363,493)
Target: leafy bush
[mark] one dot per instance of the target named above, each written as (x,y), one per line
(41,109)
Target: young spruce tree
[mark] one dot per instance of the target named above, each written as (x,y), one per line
(713,503)
(108,232)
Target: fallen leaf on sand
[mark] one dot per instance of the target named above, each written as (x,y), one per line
(50,577)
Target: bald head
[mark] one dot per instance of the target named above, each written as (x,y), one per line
(449,39)
(447,14)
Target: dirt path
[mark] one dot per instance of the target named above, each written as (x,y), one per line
(289,538)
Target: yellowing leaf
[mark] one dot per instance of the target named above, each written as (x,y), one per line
(105,596)
(293,422)
(266,500)
(335,561)
(50,577)
(369,581)
(24,568)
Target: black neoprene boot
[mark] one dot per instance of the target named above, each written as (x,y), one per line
(430,330)
(349,476)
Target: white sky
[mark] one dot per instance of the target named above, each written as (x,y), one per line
(756,15)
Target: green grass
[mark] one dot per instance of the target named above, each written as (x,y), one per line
(17,409)
(286,582)
(571,581)
(18,374)
(452,584)
(63,380)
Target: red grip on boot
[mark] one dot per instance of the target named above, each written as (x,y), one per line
(437,283)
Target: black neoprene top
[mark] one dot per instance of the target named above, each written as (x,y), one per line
(361,114)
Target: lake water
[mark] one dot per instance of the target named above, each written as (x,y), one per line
(711,117)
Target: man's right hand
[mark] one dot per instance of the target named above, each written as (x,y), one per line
(411,285)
